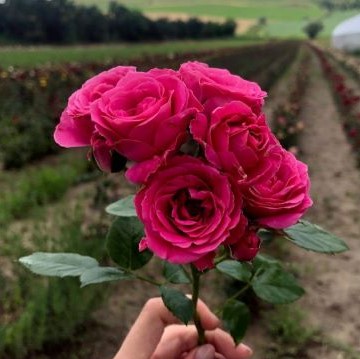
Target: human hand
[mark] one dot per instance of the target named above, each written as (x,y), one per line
(156,334)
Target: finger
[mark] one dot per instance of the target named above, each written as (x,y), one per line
(147,330)
(176,340)
(225,345)
(206,351)
(208,319)
(244,350)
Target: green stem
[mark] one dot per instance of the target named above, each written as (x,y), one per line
(148,280)
(188,275)
(240,292)
(195,296)
(236,295)
(140,277)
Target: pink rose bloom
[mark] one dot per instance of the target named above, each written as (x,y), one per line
(145,118)
(76,128)
(247,247)
(214,87)
(188,209)
(238,141)
(280,201)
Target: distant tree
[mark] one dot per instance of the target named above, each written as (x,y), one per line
(332,5)
(329,5)
(229,27)
(64,22)
(262,21)
(91,25)
(313,28)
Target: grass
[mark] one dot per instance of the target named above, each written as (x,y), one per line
(226,8)
(271,11)
(36,186)
(286,325)
(40,55)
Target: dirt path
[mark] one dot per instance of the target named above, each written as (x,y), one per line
(332,284)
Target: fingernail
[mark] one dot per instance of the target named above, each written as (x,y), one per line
(206,351)
(246,350)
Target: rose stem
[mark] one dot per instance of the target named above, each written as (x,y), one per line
(195,296)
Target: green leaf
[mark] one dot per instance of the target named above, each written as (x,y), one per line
(122,243)
(314,238)
(123,208)
(175,274)
(238,270)
(102,274)
(276,286)
(265,261)
(178,303)
(58,264)
(266,236)
(236,318)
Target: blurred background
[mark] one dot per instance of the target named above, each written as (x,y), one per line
(305,53)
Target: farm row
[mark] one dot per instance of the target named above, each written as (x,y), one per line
(343,74)
(48,204)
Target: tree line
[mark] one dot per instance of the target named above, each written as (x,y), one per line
(332,5)
(63,22)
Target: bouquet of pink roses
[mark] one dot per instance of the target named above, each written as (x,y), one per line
(214,182)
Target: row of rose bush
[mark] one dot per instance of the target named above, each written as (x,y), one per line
(286,123)
(33,99)
(287,127)
(348,61)
(263,63)
(347,97)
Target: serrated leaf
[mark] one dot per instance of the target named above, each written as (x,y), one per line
(102,274)
(122,243)
(122,208)
(237,270)
(236,318)
(58,264)
(178,304)
(175,274)
(276,286)
(314,238)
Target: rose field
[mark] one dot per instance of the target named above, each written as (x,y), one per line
(53,199)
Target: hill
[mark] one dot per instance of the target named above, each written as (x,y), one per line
(284,18)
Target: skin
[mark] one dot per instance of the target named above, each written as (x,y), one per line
(157,334)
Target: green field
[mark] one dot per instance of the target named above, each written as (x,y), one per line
(227,8)
(286,18)
(34,56)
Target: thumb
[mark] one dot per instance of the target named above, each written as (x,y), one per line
(206,351)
